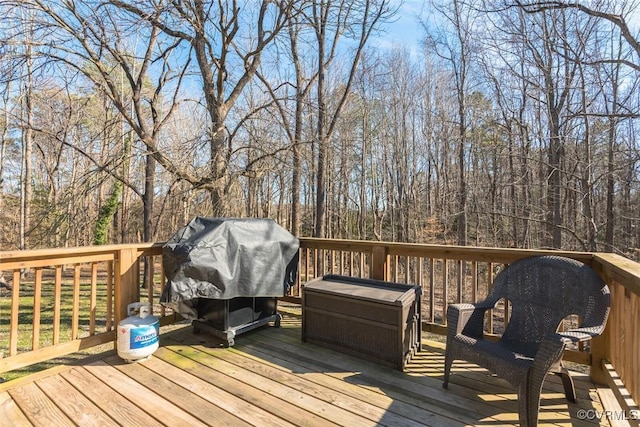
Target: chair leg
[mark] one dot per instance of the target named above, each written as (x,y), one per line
(529,401)
(567,383)
(523,407)
(448,361)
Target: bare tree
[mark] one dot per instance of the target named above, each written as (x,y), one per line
(330,20)
(454,44)
(227,41)
(26,185)
(614,13)
(512,103)
(618,19)
(293,124)
(96,41)
(4,138)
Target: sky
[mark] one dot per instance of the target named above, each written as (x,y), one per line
(405,30)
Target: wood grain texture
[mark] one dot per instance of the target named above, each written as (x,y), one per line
(270,378)
(38,407)
(10,413)
(118,407)
(76,406)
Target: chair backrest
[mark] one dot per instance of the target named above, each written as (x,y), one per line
(543,290)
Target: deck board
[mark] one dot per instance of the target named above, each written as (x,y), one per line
(270,378)
(478,388)
(37,406)
(338,404)
(77,407)
(215,395)
(149,400)
(282,391)
(186,400)
(247,392)
(417,388)
(122,410)
(11,413)
(341,382)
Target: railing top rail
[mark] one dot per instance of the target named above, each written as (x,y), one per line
(471,253)
(32,254)
(394,248)
(621,269)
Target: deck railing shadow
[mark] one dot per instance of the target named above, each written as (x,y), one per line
(419,386)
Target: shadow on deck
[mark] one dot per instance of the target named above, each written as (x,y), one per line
(270,378)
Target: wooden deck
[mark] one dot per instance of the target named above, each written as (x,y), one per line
(270,378)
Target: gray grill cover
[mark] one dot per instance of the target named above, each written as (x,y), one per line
(222,258)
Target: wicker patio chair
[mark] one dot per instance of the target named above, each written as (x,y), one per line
(542,291)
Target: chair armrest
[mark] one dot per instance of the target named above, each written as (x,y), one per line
(549,352)
(467,319)
(580,334)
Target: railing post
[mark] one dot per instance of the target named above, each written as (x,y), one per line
(126,281)
(600,351)
(380,263)
(600,346)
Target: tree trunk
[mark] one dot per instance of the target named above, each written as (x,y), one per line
(3,138)
(321,138)
(297,165)
(218,171)
(27,152)
(609,243)
(555,183)
(149,198)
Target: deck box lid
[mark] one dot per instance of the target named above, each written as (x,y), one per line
(364,289)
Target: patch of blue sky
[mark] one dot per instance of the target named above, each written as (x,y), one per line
(405,30)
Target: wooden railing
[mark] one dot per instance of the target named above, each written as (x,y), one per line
(618,350)
(101,281)
(447,274)
(66,300)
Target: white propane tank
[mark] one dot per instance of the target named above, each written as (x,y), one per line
(138,333)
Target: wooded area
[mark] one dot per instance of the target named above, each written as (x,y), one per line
(513,125)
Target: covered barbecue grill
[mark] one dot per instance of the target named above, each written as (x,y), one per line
(226,274)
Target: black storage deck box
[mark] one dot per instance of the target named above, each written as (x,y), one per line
(373,319)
